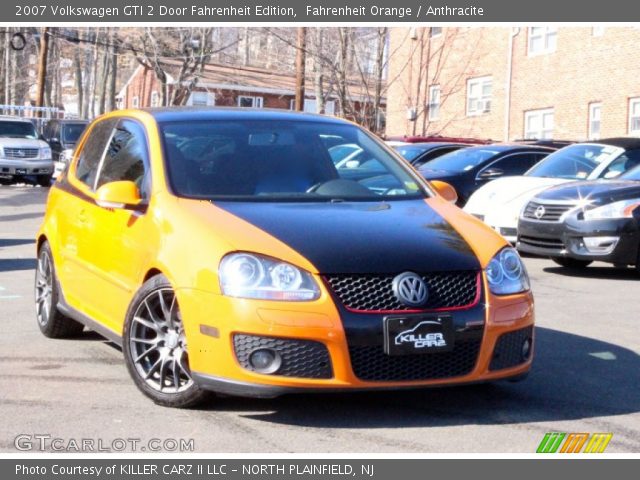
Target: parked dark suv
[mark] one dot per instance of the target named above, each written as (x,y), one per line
(62,136)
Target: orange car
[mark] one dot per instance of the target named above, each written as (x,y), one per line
(234,251)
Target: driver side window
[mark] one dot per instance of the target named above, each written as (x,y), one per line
(126,157)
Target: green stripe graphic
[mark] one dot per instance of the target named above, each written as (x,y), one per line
(551,442)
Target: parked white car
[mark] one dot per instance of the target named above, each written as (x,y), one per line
(500,202)
(23,152)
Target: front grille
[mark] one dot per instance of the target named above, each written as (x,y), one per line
(546,212)
(549,243)
(374,293)
(20,153)
(372,364)
(300,358)
(508,350)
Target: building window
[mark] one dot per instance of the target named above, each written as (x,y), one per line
(634,116)
(597,31)
(435,32)
(479,95)
(434,102)
(250,102)
(542,40)
(595,110)
(202,99)
(311,106)
(135,102)
(155,99)
(538,124)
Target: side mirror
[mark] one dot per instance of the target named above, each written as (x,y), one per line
(445,190)
(491,173)
(121,195)
(53,140)
(612,174)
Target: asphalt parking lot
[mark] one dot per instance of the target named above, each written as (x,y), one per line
(585,378)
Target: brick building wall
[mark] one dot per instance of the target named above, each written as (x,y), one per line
(586,66)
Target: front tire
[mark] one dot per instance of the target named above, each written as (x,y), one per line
(155,347)
(52,323)
(571,262)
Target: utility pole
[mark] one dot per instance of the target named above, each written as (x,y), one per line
(301,50)
(42,68)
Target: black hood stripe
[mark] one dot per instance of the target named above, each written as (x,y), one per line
(362,237)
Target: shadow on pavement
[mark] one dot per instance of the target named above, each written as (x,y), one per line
(609,273)
(12,242)
(573,377)
(15,264)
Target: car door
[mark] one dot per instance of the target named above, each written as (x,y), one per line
(73,221)
(124,237)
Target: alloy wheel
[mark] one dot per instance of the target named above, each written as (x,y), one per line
(44,287)
(158,344)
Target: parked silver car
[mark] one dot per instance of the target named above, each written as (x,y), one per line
(23,152)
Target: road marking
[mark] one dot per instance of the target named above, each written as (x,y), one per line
(9,297)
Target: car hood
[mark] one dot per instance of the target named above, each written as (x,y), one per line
(600,191)
(508,190)
(22,142)
(354,237)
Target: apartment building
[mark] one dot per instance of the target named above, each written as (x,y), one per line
(507,83)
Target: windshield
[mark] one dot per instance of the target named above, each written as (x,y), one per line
(575,162)
(256,160)
(72,131)
(461,160)
(410,152)
(18,130)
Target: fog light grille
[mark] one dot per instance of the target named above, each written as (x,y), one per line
(299,358)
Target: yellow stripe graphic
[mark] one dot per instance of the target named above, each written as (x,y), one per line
(598,443)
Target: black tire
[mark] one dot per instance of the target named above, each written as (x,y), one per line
(52,323)
(571,262)
(44,180)
(171,385)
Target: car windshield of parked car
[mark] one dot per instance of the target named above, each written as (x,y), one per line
(461,160)
(18,130)
(255,160)
(72,131)
(410,152)
(575,162)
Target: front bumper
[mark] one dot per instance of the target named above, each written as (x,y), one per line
(482,331)
(621,239)
(11,167)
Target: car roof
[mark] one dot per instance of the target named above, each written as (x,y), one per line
(172,114)
(628,143)
(511,147)
(432,145)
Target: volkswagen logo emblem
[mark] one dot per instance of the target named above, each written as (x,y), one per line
(410,289)
(539,213)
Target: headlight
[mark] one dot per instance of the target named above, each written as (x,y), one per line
(45,152)
(248,275)
(622,209)
(506,273)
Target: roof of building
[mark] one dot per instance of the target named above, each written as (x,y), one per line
(254,79)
